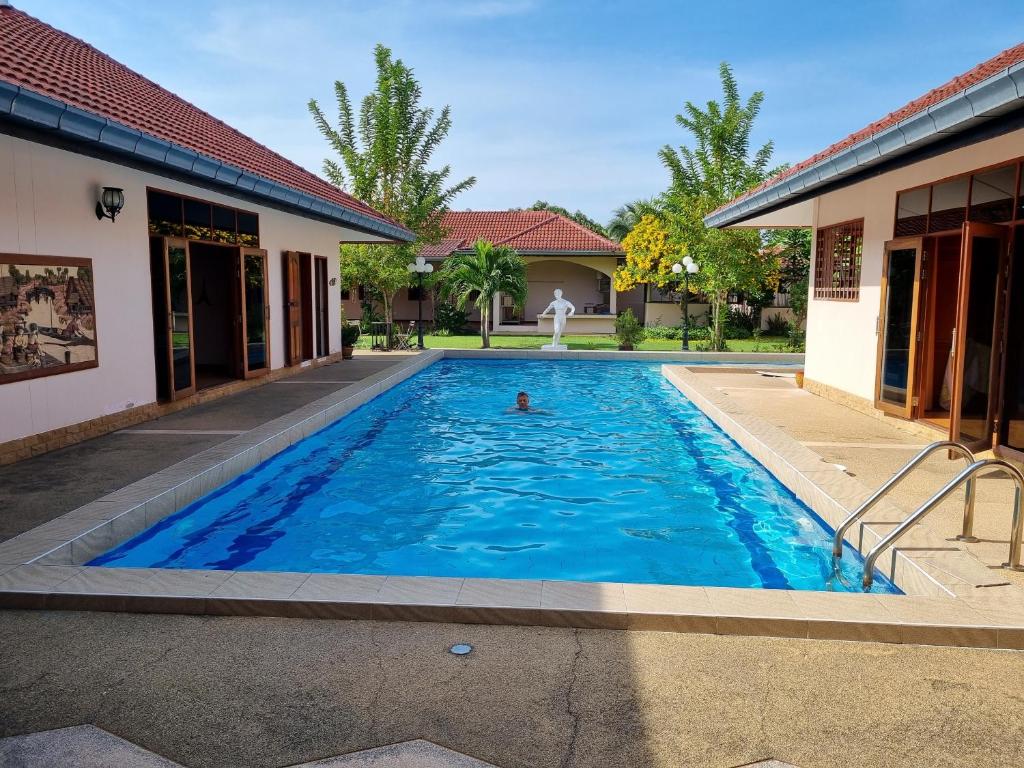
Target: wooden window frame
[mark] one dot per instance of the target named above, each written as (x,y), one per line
(210,203)
(1018,198)
(843,280)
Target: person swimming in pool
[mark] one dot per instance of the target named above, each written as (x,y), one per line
(523,405)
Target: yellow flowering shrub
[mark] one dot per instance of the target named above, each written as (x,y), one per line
(649,256)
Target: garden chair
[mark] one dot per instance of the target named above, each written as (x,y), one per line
(402,338)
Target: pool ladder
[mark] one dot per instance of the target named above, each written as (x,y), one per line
(965,477)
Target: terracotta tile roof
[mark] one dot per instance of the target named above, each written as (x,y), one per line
(526,231)
(986,69)
(43,59)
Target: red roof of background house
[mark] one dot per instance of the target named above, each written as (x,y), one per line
(986,69)
(43,59)
(525,231)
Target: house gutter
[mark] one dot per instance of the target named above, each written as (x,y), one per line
(27,107)
(997,95)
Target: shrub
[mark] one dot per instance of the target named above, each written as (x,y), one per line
(628,330)
(669,332)
(797,339)
(778,326)
(449,320)
(349,335)
(739,321)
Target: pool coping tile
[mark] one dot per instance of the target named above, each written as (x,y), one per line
(43,568)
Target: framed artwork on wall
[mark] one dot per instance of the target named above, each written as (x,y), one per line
(47,316)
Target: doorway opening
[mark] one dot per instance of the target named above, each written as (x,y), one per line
(210,314)
(942,275)
(941,327)
(215,304)
(305,306)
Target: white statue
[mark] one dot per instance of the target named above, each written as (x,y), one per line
(562,309)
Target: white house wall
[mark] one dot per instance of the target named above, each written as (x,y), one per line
(47,208)
(841,340)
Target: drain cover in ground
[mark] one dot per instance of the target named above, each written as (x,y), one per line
(83,746)
(407,754)
(768,764)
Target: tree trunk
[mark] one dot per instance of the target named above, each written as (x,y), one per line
(718,335)
(485,334)
(388,316)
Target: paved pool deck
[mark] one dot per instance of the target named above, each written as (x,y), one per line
(44,487)
(872,449)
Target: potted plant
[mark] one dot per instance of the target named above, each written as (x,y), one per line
(349,337)
(628,331)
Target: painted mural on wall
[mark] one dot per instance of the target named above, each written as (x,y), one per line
(47,316)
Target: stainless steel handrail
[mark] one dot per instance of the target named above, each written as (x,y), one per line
(857,514)
(1016,524)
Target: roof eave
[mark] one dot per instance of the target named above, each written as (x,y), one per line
(26,106)
(549,252)
(997,95)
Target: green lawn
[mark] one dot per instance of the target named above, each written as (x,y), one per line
(764,344)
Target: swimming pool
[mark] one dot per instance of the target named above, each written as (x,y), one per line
(618,478)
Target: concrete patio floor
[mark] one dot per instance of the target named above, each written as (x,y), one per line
(217,691)
(256,693)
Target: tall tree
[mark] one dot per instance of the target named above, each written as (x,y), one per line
(578,216)
(794,249)
(384,160)
(479,275)
(627,216)
(717,168)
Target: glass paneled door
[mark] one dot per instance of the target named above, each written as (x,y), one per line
(178,294)
(255,312)
(898,326)
(978,334)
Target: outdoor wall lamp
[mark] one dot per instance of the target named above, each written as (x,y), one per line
(110,203)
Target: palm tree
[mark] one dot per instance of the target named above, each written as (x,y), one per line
(485,271)
(625,217)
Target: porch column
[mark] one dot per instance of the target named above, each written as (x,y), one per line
(611,299)
(496,312)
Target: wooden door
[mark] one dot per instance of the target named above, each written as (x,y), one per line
(292,308)
(255,312)
(898,327)
(1010,439)
(181,364)
(978,334)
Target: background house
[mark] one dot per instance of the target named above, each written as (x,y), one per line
(559,253)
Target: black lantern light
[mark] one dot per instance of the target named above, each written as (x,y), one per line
(110,203)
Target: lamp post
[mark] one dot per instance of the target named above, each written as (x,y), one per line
(420,267)
(688,267)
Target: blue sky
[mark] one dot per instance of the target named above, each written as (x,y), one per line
(563,101)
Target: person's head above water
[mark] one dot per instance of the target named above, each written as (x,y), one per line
(523,401)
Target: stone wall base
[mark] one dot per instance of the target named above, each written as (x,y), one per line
(62,437)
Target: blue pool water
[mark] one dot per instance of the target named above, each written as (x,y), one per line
(620,478)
